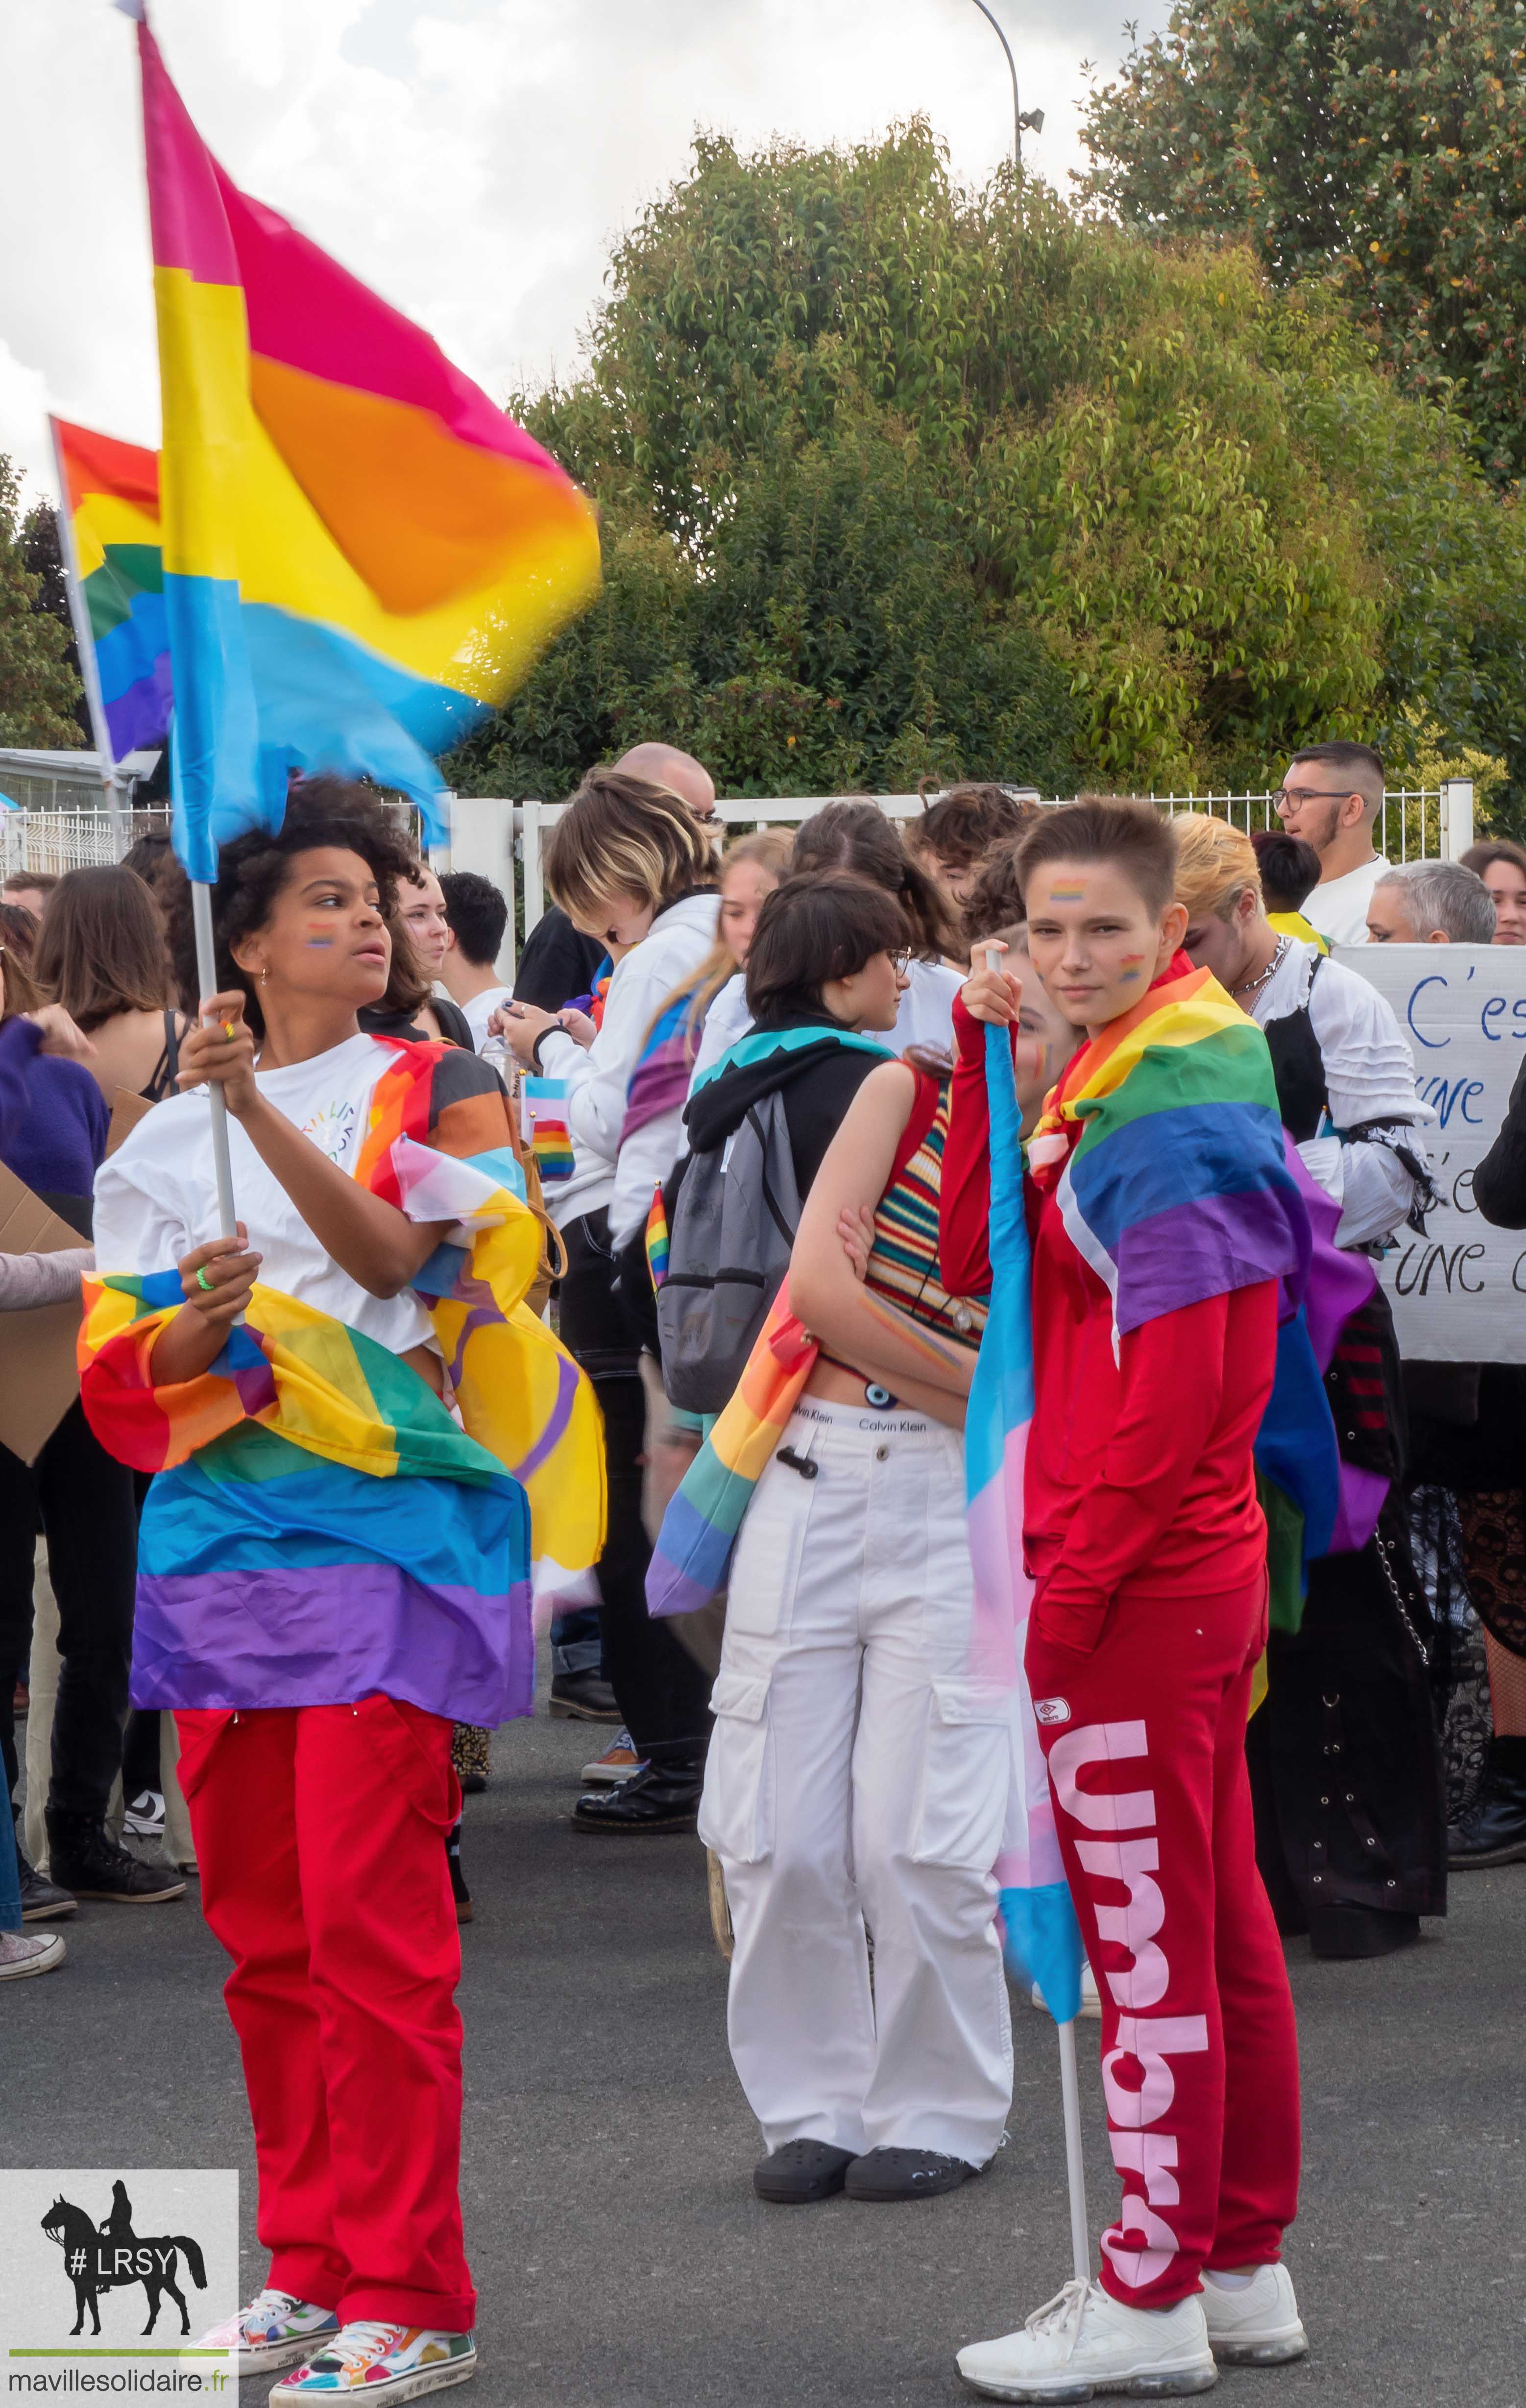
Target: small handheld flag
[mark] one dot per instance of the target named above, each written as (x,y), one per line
(543,1121)
(657,1240)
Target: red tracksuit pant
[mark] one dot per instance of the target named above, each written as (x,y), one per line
(319,1833)
(1144,1740)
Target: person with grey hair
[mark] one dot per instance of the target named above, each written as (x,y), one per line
(1431,903)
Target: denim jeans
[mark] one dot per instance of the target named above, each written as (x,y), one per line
(576,1645)
(11,1886)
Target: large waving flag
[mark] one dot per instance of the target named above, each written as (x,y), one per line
(110,492)
(362,555)
(1042,1939)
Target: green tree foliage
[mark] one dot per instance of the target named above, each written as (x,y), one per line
(898,479)
(1378,144)
(42,554)
(37,688)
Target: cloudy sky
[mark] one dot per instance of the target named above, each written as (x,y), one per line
(472,159)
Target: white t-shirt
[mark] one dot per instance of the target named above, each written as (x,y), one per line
(926,1016)
(156,1198)
(481,1010)
(727,1019)
(1337,907)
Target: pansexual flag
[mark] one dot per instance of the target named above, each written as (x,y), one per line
(362,555)
(112,494)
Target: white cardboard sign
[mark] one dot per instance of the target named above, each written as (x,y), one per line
(1459,1293)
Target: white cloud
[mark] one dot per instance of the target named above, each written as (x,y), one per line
(473,159)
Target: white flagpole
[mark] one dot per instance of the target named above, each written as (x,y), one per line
(1080,2232)
(84,644)
(201,919)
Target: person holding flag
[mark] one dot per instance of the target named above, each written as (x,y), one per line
(1164,1220)
(361,1434)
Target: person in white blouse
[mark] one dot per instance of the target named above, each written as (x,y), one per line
(1355,1862)
(1331,798)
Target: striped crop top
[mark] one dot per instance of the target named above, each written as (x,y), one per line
(904,1260)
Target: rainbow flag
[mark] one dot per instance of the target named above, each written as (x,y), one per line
(1177,1187)
(1040,1934)
(660,1082)
(700,1527)
(112,494)
(657,1239)
(542,1118)
(1180,1183)
(362,555)
(318,1513)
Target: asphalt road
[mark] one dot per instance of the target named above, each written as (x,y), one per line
(621,2259)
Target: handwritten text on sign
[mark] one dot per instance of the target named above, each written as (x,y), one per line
(1459,1293)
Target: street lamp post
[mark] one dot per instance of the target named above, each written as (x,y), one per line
(1032,118)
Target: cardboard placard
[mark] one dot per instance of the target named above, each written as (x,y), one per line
(127,1110)
(1458,1292)
(40,1378)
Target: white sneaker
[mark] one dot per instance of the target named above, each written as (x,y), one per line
(1255,2323)
(273,2331)
(145,1816)
(1089,2010)
(1083,2341)
(29,1952)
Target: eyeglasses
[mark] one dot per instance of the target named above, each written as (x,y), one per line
(1312,795)
(903,963)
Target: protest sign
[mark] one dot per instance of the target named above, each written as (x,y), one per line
(1459,1293)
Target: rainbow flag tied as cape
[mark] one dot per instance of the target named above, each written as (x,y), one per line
(320,1521)
(703,1517)
(111,494)
(361,554)
(1180,1183)
(1042,1939)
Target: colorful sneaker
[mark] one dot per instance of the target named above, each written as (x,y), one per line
(617,1762)
(273,2331)
(380,2361)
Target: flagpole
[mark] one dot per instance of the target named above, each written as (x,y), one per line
(1070,2092)
(84,644)
(200,920)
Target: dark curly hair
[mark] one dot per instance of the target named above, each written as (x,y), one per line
(254,869)
(995,900)
(857,836)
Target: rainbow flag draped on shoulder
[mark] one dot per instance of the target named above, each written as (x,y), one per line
(322,1525)
(660,1082)
(362,555)
(1177,1182)
(1178,1186)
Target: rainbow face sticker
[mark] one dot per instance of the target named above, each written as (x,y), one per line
(1068,894)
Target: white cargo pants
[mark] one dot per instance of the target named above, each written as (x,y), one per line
(858,1775)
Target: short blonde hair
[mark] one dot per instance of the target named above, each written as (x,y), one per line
(618,836)
(1215,865)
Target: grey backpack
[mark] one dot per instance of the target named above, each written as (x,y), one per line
(734,1225)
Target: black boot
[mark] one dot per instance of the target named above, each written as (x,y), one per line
(1492,1830)
(82,1856)
(42,1900)
(1350,1931)
(662,1796)
(583,1697)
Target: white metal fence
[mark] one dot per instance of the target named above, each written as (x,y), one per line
(504,839)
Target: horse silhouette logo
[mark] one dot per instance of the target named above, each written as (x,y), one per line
(109,2256)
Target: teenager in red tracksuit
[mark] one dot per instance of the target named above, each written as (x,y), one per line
(1148,1549)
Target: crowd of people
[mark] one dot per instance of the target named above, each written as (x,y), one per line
(736,1098)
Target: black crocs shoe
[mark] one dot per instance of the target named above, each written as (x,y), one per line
(801,2173)
(887,2175)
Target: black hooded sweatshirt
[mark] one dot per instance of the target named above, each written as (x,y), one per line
(817,1083)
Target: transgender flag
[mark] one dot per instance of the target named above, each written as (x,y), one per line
(1042,1941)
